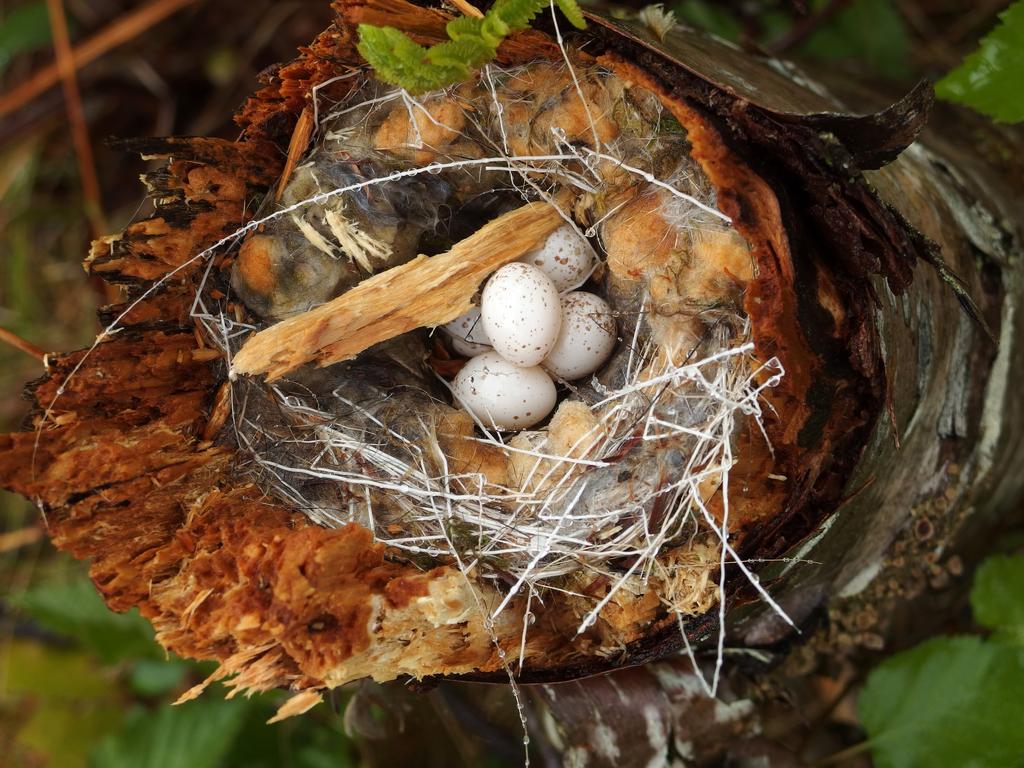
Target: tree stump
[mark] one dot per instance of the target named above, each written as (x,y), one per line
(896,431)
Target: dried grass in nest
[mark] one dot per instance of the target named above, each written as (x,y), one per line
(628,483)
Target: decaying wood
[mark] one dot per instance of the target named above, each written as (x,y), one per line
(425,292)
(297,147)
(896,427)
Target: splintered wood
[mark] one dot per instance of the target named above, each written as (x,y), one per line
(427,291)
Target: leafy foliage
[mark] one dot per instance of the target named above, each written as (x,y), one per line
(998,597)
(193,735)
(25,28)
(116,713)
(473,42)
(58,701)
(870,32)
(955,701)
(75,609)
(867,36)
(302,742)
(989,80)
(952,701)
(150,677)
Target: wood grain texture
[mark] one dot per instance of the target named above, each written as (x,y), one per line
(424,292)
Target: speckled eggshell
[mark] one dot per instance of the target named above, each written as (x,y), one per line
(503,395)
(467,334)
(587,338)
(565,257)
(521,314)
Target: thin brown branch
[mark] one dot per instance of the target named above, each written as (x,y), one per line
(17,342)
(121,31)
(13,540)
(76,116)
(423,292)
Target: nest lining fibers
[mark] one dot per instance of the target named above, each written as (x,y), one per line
(628,481)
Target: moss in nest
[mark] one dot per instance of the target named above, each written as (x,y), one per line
(628,479)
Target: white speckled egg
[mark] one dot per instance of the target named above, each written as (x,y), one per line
(467,334)
(503,395)
(565,257)
(587,338)
(521,313)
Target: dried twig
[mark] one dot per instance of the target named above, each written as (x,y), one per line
(424,292)
(19,343)
(13,540)
(76,116)
(121,31)
(467,8)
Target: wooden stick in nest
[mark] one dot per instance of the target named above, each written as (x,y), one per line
(426,291)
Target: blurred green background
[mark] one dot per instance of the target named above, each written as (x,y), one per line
(80,685)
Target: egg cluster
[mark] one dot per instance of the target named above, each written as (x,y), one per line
(531,325)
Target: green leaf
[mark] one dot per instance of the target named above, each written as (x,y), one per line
(150,677)
(517,14)
(997,596)
(399,60)
(461,54)
(315,740)
(464,26)
(196,734)
(867,32)
(24,29)
(572,12)
(75,609)
(65,701)
(990,79)
(951,701)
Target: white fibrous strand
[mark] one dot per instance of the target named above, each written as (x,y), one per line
(669,424)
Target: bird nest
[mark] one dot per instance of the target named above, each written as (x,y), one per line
(269,450)
(342,402)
